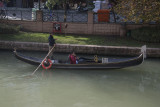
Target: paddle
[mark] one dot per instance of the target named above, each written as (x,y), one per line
(43,60)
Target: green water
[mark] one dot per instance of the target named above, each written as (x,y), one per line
(130,87)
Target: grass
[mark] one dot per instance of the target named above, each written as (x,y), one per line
(77,39)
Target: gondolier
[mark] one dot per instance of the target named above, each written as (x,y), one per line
(52,43)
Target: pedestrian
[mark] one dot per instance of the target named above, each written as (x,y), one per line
(1,5)
(4,3)
(52,44)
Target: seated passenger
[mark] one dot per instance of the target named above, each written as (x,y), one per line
(73,58)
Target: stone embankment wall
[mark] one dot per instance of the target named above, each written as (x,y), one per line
(84,49)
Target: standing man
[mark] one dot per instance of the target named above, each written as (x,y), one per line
(52,44)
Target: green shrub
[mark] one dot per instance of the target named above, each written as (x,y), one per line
(9,29)
(147,34)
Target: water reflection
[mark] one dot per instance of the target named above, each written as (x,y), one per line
(135,86)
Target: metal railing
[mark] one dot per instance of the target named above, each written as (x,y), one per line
(77,17)
(18,14)
(71,16)
(29,14)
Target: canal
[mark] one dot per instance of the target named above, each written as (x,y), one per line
(137,86)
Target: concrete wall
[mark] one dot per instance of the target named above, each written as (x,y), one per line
(84,49)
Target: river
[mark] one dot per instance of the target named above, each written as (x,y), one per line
(137,86)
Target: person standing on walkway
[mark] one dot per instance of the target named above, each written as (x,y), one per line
(52,44)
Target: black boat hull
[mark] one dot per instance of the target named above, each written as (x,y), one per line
(112,63)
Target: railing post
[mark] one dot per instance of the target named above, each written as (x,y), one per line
(123,30)
(39,15)
(90,17)
(21,15)
(90,22)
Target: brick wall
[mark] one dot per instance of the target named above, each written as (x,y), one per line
(74,28)
(107,29)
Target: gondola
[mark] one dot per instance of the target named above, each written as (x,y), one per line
(108,63)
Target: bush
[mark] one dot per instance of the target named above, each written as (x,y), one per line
(9,29)
(147,34)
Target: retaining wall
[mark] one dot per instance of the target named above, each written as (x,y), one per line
(84,49)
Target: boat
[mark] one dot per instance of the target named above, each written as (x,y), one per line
(105,63)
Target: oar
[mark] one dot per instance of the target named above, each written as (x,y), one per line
(43,60)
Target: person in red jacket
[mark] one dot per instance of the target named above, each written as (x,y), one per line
(73,58)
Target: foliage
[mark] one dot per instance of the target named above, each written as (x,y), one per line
(138,10)
(9,29)
(50,3)
(147,34)
(90,4)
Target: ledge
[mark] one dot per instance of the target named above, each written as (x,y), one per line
(84,49)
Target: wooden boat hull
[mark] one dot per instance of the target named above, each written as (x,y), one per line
(112,63)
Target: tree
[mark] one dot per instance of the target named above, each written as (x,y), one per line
(50,3)
(138,10)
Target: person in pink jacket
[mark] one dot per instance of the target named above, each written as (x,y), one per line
(72,58)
